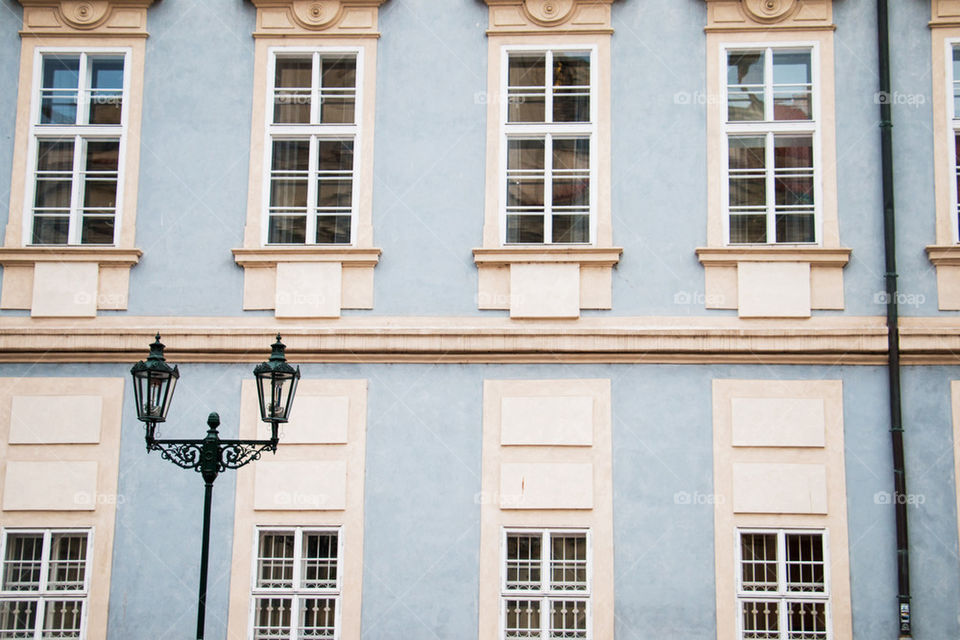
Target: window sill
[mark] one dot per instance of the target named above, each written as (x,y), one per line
(946,258)
(66,281)
(785,281)
(545,281)
(315,281)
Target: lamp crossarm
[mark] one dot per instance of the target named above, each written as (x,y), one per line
(211,456)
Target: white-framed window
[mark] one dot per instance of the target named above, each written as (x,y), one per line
(296,584)
(78,132)
(954,131)
(548,154)
(44,583)
(783,584)
(772,133)
(545,584)
(313,143)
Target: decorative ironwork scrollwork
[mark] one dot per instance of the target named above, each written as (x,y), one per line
(234,455)
(187,455)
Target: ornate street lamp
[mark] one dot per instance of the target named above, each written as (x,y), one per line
(153,383)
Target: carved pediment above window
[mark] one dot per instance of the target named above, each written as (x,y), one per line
(77,17)
(735,15)
(549,16)
(317,17)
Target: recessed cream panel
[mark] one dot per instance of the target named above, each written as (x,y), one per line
(65,289)
(17,287)
(50,486)
(778,422)
(774,289)
(55,419)
(596,287)
(547,420)
(357,287)
(314,420)
(779,488)
(544,290)
(546,486)
(300,486)
(308,289)
(259,287)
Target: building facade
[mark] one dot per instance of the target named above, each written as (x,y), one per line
(587,295)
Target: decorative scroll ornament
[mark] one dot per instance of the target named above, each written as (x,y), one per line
(548,12)
(315,14)
(769,10)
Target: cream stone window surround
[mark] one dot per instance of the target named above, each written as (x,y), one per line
(945,253)
(579,275)
(342,274)
(99,272)
(814,272)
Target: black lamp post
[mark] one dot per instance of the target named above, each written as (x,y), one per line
(153,385)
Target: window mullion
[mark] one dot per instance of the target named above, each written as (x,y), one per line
(769,114)
(770,159)
(76,190)
(315,89)
(549,82)
(83,90)
(548,189)
(313,175)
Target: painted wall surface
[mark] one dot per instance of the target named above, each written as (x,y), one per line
(423,468)
(429,157)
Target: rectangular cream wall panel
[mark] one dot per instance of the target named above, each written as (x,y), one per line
(314,420)
(493,288)
(826,288)
(65,289)
(50,486)
(778,422)
(259,287)
(546,486)
(55,419)
(547,420)
(357,288)
(596,287)
(300,486)
(545,291)
(779,488)
(774,289)
(17,287)
(308,289)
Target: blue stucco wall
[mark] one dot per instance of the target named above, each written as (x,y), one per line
(11,17)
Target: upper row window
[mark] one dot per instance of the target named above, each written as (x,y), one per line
(772,143)
(310,195)
(78,134)
(549,138)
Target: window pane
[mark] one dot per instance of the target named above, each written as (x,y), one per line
(288,193)
(61,618)
(337,109)
(55,155)
(291,101)
(792,86)
(956,82)
(793,152)
(333,229)
(525,155)
(338,90)
(747,152)
(568,619)
(806,620)
(271,618)
(58,96)
(99,194)
(524,229)
(571,153)
(318,618)
(525,192)
(339,72)
(523,562)
(320,561)
(526,93)
(571,229)
(335,155)
(287,230)
(275,561)
(106,90)
(50,230)
(21,565)
(761,620)
(758,561)
(805,567)
(103,155)
(745,78)
(18,618)
(68,562)
(291,155)
(334,194)
(748,229)
(53,194)
(568,562)
(522,619)
(571,193)
(571,79)
(97,230)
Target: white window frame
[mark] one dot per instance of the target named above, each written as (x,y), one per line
(952,130)
(79,132)
(313,132)
(781,596)
(295,593)
(544,595)
(42,595)
(566,129)
(769,128)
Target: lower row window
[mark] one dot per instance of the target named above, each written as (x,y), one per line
(783,590)
(296,588)
(44,583)
(546,584)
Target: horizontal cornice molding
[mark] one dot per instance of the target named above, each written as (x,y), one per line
(829,340)
(588,256)
(945,13)
(731,256)
(112,256)
(270,256)
(947,255)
